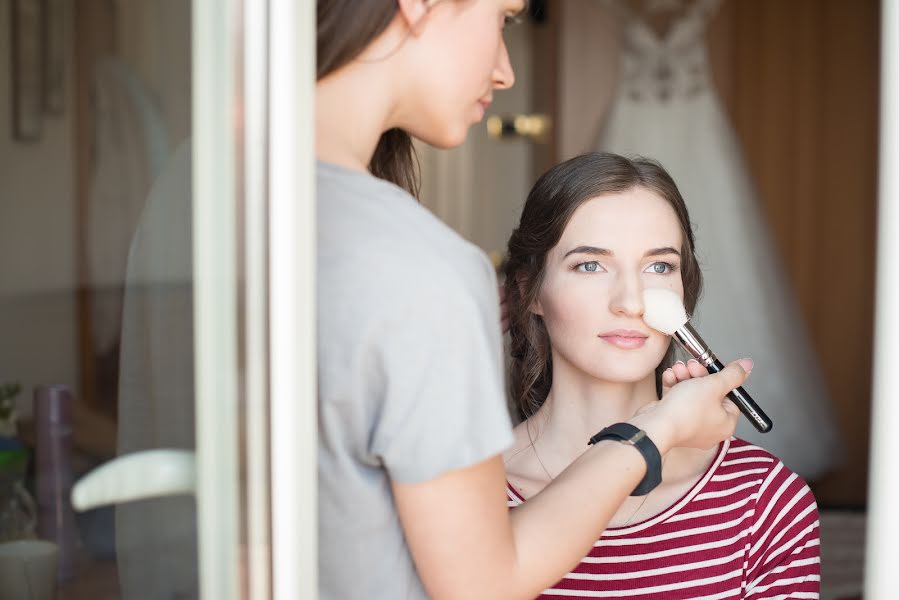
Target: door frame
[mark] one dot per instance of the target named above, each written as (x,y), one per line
(294,398)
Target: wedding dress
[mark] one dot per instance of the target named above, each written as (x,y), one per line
(667,109)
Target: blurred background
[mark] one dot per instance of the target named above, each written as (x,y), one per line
(95,179)
(797,83)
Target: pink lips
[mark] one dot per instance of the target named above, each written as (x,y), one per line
(484,105)
(626,339)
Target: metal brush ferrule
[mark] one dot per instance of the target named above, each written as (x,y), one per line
(695,345)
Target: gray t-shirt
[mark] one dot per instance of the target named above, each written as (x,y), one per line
(410,373)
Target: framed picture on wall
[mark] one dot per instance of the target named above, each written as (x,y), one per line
(26,69)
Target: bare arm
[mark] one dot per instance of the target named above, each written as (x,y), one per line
(466,544)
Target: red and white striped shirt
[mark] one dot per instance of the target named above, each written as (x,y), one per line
(747,529)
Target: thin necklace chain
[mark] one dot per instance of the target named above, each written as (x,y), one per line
(634,514)
(551,478)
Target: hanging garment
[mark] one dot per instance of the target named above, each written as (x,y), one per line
(667,109)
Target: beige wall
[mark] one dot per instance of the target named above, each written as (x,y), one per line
(37,245)
(37,214)
(588,54)
(38,269)
(480,187)
(153,37)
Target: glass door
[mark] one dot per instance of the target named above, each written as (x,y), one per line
(154,228)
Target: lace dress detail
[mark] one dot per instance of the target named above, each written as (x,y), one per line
(657,68)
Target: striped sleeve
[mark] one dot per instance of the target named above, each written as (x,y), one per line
(784,554)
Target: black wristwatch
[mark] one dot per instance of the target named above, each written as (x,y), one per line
(630,434)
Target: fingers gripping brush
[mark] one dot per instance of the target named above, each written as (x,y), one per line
(664,311)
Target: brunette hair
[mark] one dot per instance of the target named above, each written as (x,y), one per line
(549,206)
(344,29)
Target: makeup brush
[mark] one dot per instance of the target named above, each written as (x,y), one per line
(664,311)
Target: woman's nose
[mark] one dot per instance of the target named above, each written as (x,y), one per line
(503,74)
(627,299)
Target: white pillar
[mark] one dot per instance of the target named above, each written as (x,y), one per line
(294,400)
(883,518)
(214,144)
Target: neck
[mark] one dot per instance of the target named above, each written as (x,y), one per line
(348,124)
(356,103)
(578,406)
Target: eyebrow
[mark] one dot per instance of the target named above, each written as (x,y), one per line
(605,252)
(662,251)
(588,250)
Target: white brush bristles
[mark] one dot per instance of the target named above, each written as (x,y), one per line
(663,310)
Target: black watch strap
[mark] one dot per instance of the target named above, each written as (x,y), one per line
(626,432)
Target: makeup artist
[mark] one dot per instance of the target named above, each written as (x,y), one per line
(412,409)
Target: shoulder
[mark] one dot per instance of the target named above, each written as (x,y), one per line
(782,498)
(378,248)
(753,473)
(371,208)
(784,548)
(363,218)
(744,459)
(745,463)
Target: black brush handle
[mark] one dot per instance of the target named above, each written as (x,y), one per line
(745,403)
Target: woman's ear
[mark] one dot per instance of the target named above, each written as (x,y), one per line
(413,12)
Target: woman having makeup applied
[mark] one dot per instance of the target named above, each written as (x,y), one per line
(729,521)
(412,407)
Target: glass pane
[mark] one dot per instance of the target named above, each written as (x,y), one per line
(99,287)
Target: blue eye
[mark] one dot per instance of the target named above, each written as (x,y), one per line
(660,268)
(588,267)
